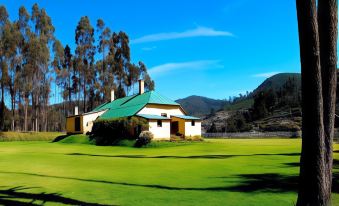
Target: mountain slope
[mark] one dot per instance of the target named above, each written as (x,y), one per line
(275,82)
(197,105)
(201,106)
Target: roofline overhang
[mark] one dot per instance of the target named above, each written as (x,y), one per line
(91,112)
(169,119)
(176,105)
(198,119)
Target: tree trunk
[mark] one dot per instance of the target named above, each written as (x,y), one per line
(20,122)
(69,95)
(328,20)
(84,90)
(312,185)
(36,114)
(2,106)
(26,108)
(13,112)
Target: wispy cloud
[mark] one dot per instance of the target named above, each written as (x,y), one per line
(197,32)
(148,48)
(266,75)
(191,65)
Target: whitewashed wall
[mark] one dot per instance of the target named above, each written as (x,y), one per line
(88,120)
(169,110)
(163,132)
(192,130)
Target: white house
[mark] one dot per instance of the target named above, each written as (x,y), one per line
(165,117)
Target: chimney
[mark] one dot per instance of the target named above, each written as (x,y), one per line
(76,110)
(112,95)
(141,86)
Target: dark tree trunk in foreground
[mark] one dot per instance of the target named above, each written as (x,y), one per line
(312,188)
(318,63)
(328,24)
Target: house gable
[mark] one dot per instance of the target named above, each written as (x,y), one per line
(159,109)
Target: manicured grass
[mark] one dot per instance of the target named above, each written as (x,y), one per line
(28,136)
(77,138)
(213,172)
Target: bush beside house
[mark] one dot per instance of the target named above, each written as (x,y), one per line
(110,132)
(144,139)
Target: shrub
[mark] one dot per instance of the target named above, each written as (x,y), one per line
(212,129)
(110,132)
(144,139)
(278,126)
(237,123)
(174,138)
(194,138)
(296,134)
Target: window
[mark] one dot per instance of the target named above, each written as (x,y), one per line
(77,124)
(193,123)
(159,123)
(164,114)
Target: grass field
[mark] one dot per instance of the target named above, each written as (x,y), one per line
(28,136)
(214,172)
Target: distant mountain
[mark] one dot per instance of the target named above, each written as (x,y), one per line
(275,82)
(284,116)
(199,106)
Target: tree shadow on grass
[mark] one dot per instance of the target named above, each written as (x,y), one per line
(273,183)
(297,164)
(182,157)
(15,196)
(335,175)
(266,182)
(61,137)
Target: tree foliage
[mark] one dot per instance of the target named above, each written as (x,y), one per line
(36,67)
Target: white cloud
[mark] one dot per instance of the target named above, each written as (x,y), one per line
(192,65)
(266,75)
(148,48)
(197,32)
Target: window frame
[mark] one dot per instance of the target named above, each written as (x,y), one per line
(159,123)
(193,123)
(164,114)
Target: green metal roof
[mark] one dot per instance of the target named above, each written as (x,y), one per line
(186,117)
(150,116)
(129,106)
(113,104)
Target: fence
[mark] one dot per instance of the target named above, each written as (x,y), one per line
(253,135)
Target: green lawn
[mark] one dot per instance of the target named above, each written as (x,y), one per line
(214,172)
(28,136)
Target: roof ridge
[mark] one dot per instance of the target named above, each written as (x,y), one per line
(149,96)
(128,100)
(134,96)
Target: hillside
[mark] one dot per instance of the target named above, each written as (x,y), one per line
(199,106)
(275,82)
(202,106)
(283,115)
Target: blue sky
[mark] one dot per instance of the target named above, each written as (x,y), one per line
(209,48)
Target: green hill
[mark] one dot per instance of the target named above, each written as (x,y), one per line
(200,106)
(197,105)
(275,82)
